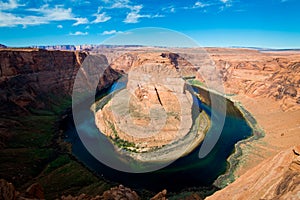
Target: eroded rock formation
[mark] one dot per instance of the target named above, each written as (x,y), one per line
(153,111)
(255,74)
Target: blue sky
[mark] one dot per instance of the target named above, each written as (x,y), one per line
(256,23)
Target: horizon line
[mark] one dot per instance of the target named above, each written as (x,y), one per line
(140,45)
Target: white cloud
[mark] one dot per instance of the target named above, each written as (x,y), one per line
(169,9)
(199,4)
(59,26)
(11,4)
(55,14)
(136,8)
(134,16)
(156,16)
(102,17)
(42,15)
(11,20)
(81,21)
(79,33)
(99,9)
(228,3)
(120,4)
(111,32)
(106,1)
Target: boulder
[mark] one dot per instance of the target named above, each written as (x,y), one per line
(160,196)
(35,191)
(120,192)
(7,190)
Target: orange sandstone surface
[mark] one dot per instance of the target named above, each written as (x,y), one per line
(154,110)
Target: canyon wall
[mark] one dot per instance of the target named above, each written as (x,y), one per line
(29,77)
(271,75)
(251,73)
(33,79)
(266,84)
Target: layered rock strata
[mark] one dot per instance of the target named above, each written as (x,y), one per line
(37,79)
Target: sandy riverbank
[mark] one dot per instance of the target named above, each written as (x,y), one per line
(281,129)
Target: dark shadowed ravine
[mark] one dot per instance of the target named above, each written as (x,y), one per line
(186,172)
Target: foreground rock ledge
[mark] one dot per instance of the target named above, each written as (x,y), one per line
(153,114)
(275,178)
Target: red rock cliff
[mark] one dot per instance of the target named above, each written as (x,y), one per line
(37,79)
(28,77)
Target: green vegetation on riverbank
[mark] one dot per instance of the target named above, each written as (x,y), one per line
(196,82)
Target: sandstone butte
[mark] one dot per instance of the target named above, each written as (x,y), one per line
(129,110)
(265,83)
(154,112)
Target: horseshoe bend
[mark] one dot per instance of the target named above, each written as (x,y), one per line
(154,114)
(36,127)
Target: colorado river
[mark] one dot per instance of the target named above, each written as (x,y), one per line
(185,172)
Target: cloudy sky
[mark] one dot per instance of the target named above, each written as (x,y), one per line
(259,23)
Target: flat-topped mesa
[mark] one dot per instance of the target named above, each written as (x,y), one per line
(156,75)
(135,59)
(154,110)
